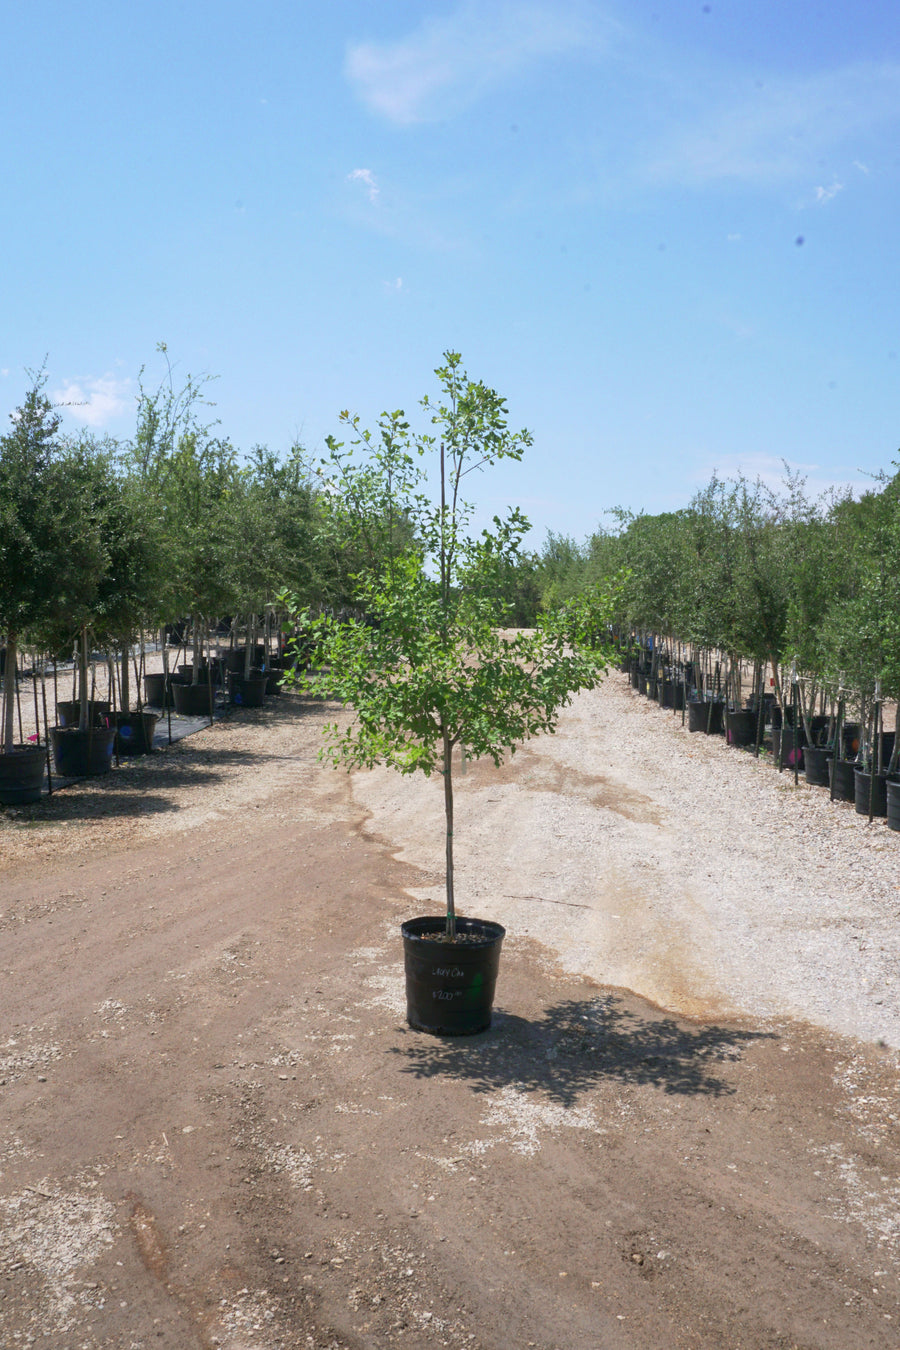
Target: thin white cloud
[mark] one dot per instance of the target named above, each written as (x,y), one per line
(824,194)
(777,130)
(448,63)
(366,177)
(95,401)
(395,285)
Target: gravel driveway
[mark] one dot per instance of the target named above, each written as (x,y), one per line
(680,1132)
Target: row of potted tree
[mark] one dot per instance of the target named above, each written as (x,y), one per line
(750,579)
(102,541)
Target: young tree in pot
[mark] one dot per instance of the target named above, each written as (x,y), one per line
(890,619)
(190,474)
(129,594)
(89,592)
(71,480)
(708,586)
(760,577)
(271,527)
(37,535)
(426,666)
(860,624)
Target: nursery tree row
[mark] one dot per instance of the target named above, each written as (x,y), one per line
(809,587)
(102,540)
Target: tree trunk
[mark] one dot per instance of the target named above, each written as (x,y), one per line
(808,708)
(195,637)
(83,680)
(125,679)
(776,677)
(448,815)
(251,644)
(9,691)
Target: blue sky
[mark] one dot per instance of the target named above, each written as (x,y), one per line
(665,231)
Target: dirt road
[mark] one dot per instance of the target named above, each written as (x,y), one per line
(216,1129)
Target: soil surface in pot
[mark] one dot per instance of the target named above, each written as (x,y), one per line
(680,1131)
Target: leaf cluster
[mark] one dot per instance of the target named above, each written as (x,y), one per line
(425,658)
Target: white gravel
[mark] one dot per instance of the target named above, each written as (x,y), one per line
(644,856)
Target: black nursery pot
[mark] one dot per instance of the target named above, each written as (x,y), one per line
(158,691)
(790,754)
(698,715)
(191,700)
(247,691)
(863,787)
(82,754)
(134,732)
(815,760)
(450,985)
(893,804)
(850,739)
(673,694)
(68,711)
(22,774)
(274,676)
(841,775)
(706,715)
(740,727)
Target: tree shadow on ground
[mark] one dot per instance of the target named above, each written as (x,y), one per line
(189,760)
(138,784)
(137,787)
(68,804)
(580,1043)
(284,707)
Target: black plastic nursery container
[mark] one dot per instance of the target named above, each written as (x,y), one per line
(863,788)
(134,732)
(450,985)
(706,715)
(841,774)
(191,700)
(740,726)
(247,691)
(22,775)
(816,765)
(893,804)
(82,754)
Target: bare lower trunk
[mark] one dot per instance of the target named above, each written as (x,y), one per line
(250,651)
(777,681)
(9,692)
(83,680)
(195,635)
(448,815)
(138,658)
(124,679)
(808,707)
